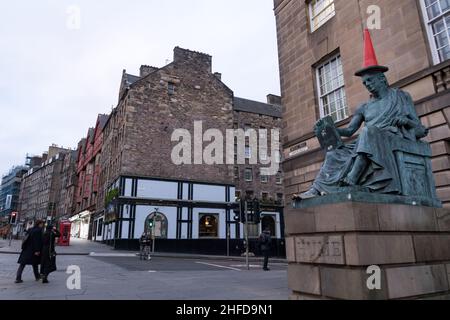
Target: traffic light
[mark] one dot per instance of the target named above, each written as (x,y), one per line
(242,213)
(237,211)
(256,211)
(150,223)
(13,218)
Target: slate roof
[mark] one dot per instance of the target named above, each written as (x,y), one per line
(131,79)
(257,107)
(103,119)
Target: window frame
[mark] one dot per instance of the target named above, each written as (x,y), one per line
(245,174)
(312,17)
(216,217)
(320,96)
(429,28)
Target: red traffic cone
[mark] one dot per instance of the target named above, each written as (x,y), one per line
(370,59)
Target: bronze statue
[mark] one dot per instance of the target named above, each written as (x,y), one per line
(369,163)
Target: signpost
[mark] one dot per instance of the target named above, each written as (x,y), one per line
(12,223)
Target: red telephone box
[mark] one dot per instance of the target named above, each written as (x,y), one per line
(64,229)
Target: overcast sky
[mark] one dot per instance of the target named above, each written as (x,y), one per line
(55,77)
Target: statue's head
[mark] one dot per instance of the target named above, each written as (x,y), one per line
(375,82)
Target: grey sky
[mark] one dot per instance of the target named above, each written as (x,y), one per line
(55,80)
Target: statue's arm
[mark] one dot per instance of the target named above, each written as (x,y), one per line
(353,127)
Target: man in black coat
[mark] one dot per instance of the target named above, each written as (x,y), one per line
(265,242)
(31,251)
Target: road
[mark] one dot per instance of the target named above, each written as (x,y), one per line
(113,276)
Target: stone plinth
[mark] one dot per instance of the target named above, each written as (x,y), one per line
(330,247)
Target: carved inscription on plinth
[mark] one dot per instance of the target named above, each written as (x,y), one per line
(320,249)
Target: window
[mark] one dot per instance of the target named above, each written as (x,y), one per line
(331,91)
(100,228)
(264,179)
(171,88)
(236,172)
(208,226)
(279,197)
(249,194)
(156,223)
(264,196)
(320,11)
(238,194)
(279,178)
(437,17)
(248,175)
(248,152)
(268,222)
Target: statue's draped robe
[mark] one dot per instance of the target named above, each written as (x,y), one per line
(375,141)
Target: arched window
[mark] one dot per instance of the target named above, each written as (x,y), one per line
(208,226)
(156,223)
(268,222)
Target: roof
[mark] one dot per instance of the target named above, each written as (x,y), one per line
(131,78)
(257,107)
(103,119)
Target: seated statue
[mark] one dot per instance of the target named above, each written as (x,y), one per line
(369,163)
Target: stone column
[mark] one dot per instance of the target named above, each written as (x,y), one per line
(331,246)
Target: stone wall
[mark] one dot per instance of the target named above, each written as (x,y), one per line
(330,248)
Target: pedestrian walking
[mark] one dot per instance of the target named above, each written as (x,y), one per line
(265,243)
(145,242)
(48,262)
(31,251)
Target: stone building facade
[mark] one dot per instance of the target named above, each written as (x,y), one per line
(193,200)
(40,191)
(66,205)
(248,114)
(320,47)
(87,178)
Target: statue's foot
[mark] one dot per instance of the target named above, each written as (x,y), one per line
(348,182)
(311,193)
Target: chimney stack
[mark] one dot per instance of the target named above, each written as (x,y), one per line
(146,70)
(274,99)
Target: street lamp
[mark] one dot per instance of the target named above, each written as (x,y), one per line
(153,229)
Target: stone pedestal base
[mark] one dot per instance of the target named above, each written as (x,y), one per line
(331,246)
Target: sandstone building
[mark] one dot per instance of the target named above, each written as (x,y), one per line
(320,48)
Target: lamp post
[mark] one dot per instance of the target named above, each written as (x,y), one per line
(153,229)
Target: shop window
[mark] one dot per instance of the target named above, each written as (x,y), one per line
(209,226)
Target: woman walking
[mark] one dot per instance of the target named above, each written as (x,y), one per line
(48,263)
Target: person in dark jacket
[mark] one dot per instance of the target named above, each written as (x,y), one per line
(31,251)
(265,242)
(48,262)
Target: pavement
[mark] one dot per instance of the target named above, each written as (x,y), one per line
(106,274)
(84,247)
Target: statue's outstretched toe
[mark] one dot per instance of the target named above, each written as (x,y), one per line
(311,193)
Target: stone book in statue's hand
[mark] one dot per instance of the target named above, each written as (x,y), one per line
(328,135)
